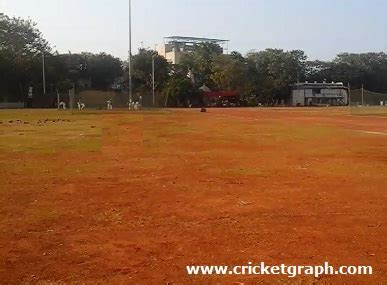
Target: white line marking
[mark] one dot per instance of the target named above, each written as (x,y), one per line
(374,133)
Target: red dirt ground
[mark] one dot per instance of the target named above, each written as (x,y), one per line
(293,186)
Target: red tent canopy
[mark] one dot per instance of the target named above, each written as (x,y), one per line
(214,94)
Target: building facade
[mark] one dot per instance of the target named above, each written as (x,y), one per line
(174,47)
(319,94)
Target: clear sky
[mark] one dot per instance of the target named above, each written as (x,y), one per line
(322,28)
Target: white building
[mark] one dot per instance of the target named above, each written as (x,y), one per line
(174,47)
(315,94)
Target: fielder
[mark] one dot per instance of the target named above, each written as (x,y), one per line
(109,104)
(62,105)
(81,105)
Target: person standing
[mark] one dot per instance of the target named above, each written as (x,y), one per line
(109,104)
(30,96)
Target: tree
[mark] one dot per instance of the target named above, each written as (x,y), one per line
(142,70)
(317,70)
(180,91)
(238,56)
(229,72)
(102,69)
(21,38)
(273,70)
(200,62)
(368,69)
(21,48)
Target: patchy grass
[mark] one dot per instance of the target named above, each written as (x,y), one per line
(49,131)
(378,111)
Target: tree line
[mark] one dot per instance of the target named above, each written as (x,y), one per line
(259,76)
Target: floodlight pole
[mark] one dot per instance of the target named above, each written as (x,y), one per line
(153,79)
(362,94)
(57,97)
(130,55)
(349,94)
(43,74)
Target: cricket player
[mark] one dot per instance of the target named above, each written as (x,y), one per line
(109,104)
(81,105)
(62,105)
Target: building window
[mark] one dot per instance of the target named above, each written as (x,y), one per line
(317,91)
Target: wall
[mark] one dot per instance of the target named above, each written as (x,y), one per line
(97,98)
(298,98)
(13,105)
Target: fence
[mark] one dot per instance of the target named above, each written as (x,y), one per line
(365,102)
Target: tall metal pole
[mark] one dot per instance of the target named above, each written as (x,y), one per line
(130,55)
(349,94)
(362,94)
(153,79)
(44,74)
(57,97)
